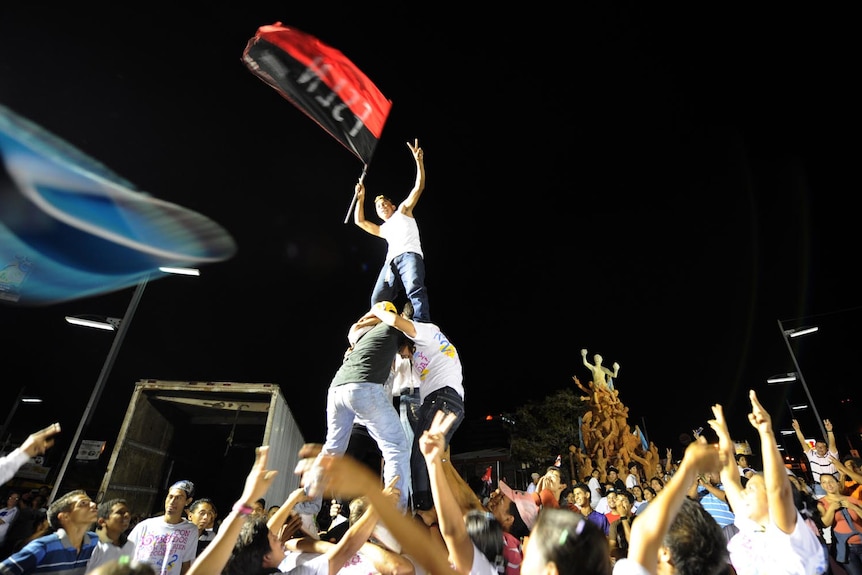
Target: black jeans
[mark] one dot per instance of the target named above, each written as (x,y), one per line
(448,401)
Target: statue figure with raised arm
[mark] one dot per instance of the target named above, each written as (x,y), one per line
(602,376)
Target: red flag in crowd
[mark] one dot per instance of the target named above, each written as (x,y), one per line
(322,82)
(487,477)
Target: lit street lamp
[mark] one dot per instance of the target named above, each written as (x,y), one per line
(22,398)
(106,323)
(787,334)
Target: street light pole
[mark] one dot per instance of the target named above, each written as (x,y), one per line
(784,334)
(100,383)
(22,398)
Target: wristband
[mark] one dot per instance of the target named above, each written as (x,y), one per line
(242,508)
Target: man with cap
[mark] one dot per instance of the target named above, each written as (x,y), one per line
(531,488)
(437,364)
(613,476)
(357,393)
(516,511)
(168,542)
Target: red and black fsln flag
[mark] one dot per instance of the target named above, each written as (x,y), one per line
(322,82)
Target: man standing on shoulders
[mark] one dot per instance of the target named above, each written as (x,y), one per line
(68,549)
(405,264)
(168,542)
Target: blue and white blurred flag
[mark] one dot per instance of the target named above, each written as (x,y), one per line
(71,228)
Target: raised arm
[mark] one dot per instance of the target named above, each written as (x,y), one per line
(276,522)
(845,471)
(359,212)
(350,478)
(357,534)
(216,555)
(449,514)
(36,444)
(587,364)
(393,319)
(800,436)
(830,437)
(729,471)
(779,493)
(647,533)
(412,198)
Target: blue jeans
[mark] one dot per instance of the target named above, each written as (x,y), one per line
(369,405)
(854,565)
(446,400)
(408,405)
(405,273)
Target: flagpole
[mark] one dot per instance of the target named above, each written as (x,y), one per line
(353,201)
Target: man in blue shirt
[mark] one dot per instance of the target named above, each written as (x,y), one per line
(68,549)
(709,491)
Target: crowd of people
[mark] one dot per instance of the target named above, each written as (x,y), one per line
(623,509)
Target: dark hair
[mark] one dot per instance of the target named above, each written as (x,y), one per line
(107,506)
(807,506)
(649,488)
(583,486)
(250,548)
(575,545)
(627,494)
(696,543)
(198,502)
(62,505)
(518,528)
(487,535)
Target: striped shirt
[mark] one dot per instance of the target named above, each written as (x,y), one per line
(54,554)
(719,509)
(821,464)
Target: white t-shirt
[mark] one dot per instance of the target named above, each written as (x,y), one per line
(481,565)
(106,551)
(595,491)
(755,550)
(625,566)
(8,515)
(165,546)
(436,361)
(401,234)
